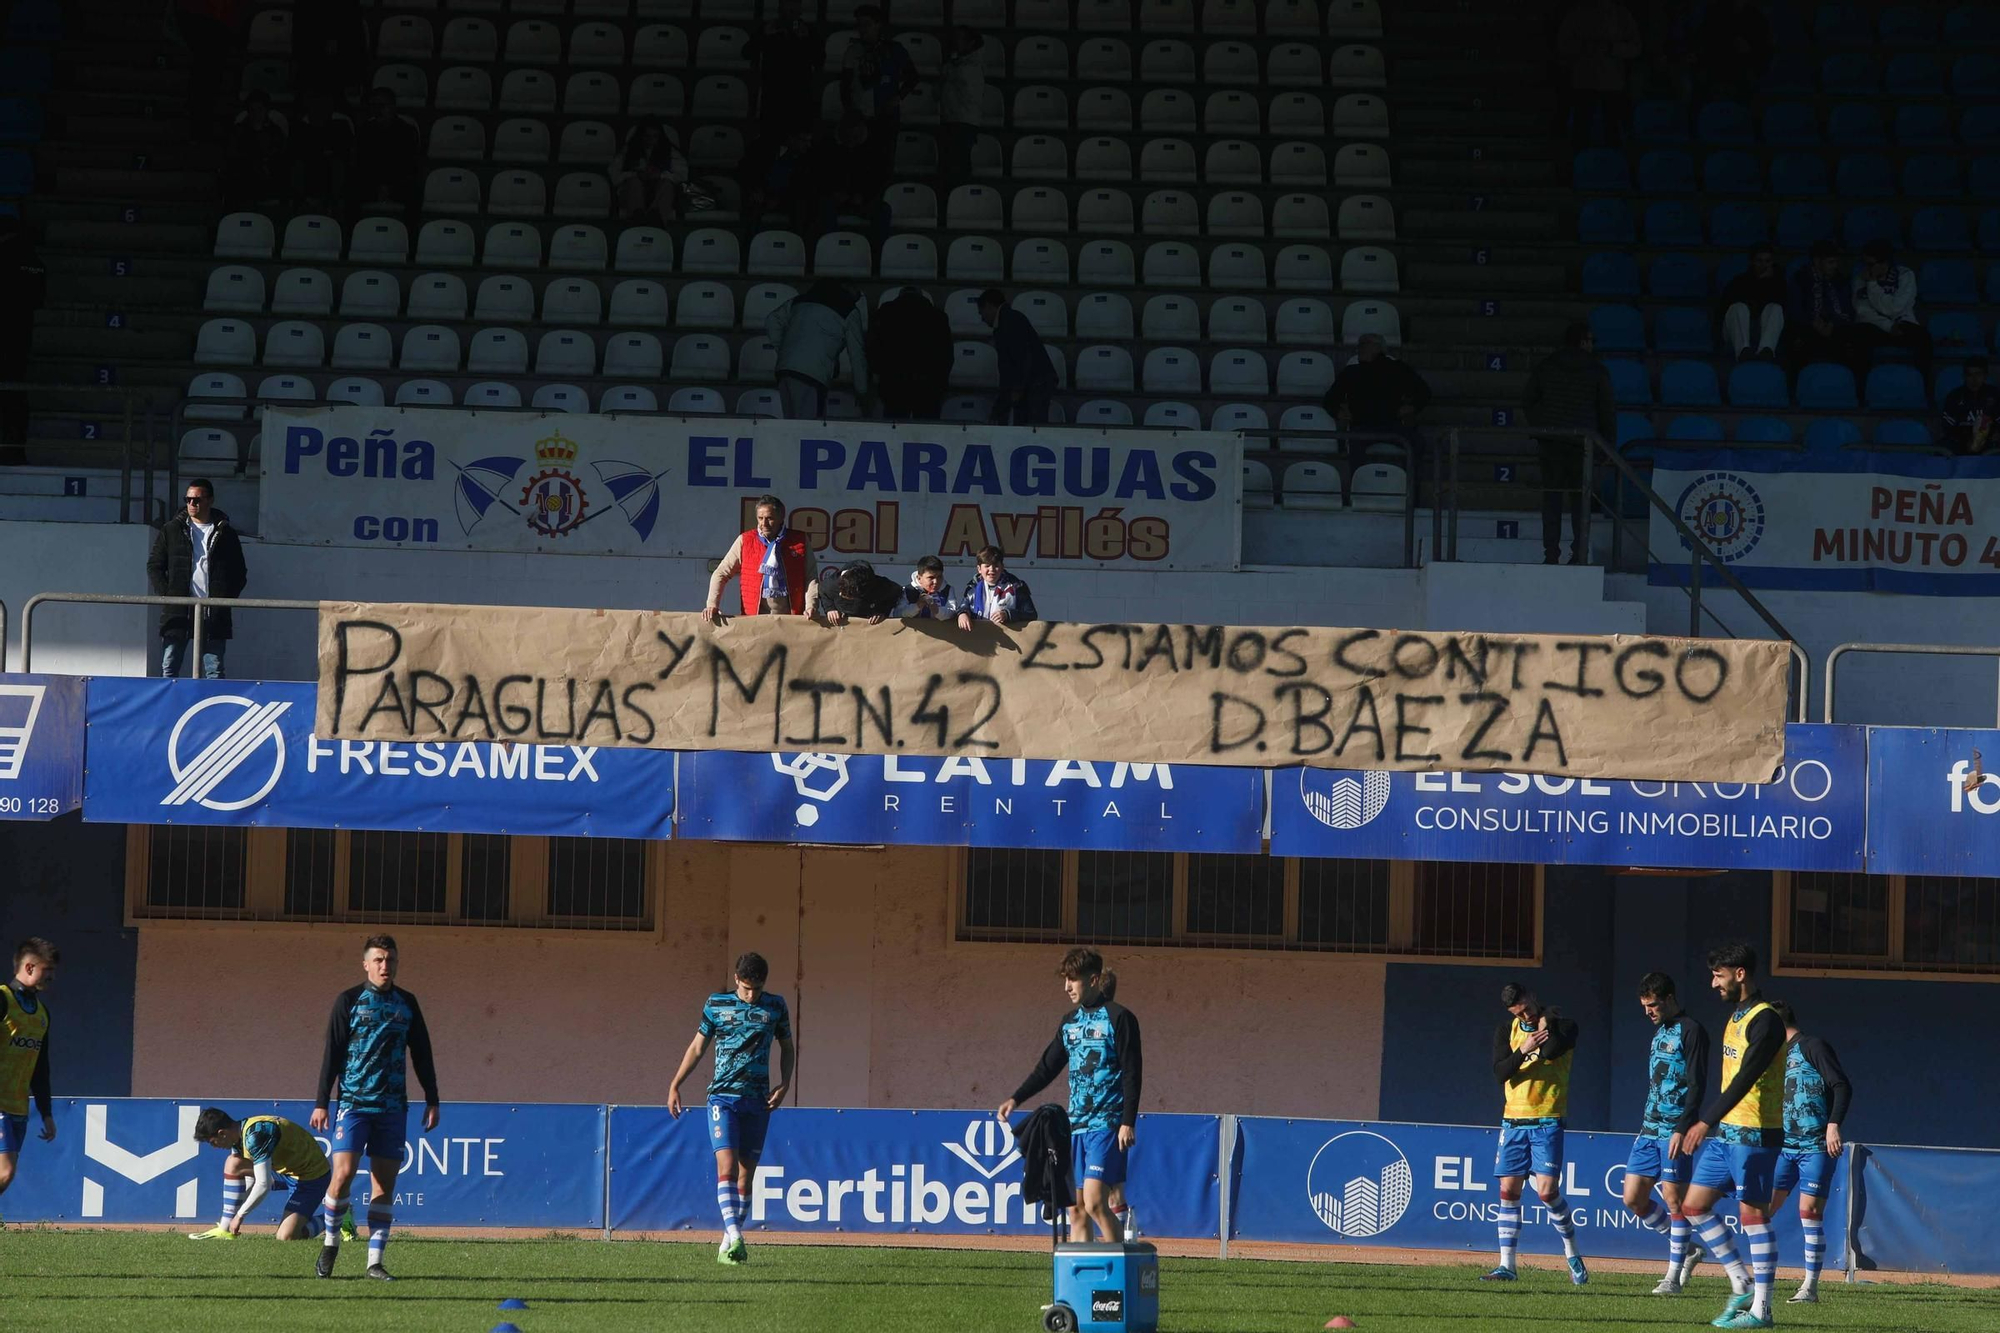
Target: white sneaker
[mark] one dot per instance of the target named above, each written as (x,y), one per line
(1694,1257)
(1668,1286)
(1807,1294)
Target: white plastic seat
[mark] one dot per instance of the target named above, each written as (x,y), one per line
(1104,412)
(208,448)
(1037,260)
(1305,114)
(578,247)
(1103,109)
(1040,107)
(644,250)
(1104,369)
(592,92)
(534,42)
(452,190)
(782,254)
(491,393)
(1104,15)
(974,208)
(423,393)
(512,245)
(1368,268)
(1172,416)
(1172,370)
(627,398)
(1172,264)
(474,40)
(974,259)
(1103,315)
(1171,319)
(572,301)
(1167,60)
(1295,163)
(1360,166)
(1232,112)
(656,96)
(1104,211)
(1354,18)
(311,236)
(364,294)
(457,139)
(596,44)
(758,302)
(845,254)
(1229,62)
(1305,417)
(433,296)
(1305,320)
(1167,160)
(225,342)
(1170,213)
(700,356)
(362,347)
(587,143)
(1035,15)
(969,407)
(521,139)
(710,250)
(908,257)
(961,310)
(697,401)
(974,365)
(512,194)
(720,97)
(1039,208)
(405,37)
(270,33)
(504,298)
(1303,268)
(377,240)
(1046,311)
(296,343)
(1304,214)
(1229,16)
(463,88)
(1167,111)
(912,205)
(757,361)
(532,90)
(718,147)
(238,289)
(244,236)
(1239,416)
(1166,15)
(1239,372)
(633,356)
(214,384)
(1377,317)
(1236,266)
(560,398)
(1312,486)
(1382,486)
(287,389)
(582,194)
(643,302)
(1106,264)
(1104,159)
(926,52)
(1105,58)
(660,46)
(446,243)
(1305,375)
(1235,213)
(566,352)
(1041,58)
(1256,485)
(1041,157)
(1355,116)
(1238,319)
(1357,67)
(430,347)
(1288,17)
(1293,65)
(721,48)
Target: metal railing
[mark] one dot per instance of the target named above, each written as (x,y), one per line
(3,636)
(149,599)
(137,407)
(1923,649)
(1346,452)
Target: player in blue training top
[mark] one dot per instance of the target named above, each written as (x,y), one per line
(1817,1094)
(742,1023)
(270,1152)
(1099,1044)
(1677,1083)
(374,1026)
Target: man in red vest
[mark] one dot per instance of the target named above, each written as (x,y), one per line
(772,567)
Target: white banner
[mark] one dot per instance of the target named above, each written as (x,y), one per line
(1880,522)
(684,486)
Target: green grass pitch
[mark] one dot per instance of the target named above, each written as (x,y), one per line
(86,1281)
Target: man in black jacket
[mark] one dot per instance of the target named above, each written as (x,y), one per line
(909,345)
(1569,389)
(1027,380)
(854,591)
(1376,394)
(196,554)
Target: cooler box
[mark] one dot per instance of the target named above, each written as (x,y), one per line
(1107,1288)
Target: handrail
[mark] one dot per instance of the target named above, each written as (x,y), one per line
(1926,649)
(3,636)
(128,397)
(149,599)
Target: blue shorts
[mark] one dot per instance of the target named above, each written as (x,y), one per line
(13,1132)
(1649,1158)
(1529,1150)
(307,1194)
(739,1124)
(1742,1169)
(1804,1170)
(374,1134)
(1095,1155)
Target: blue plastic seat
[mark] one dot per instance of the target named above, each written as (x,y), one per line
(1907,25)
(1921,125)
(1605,222)
(1913,74)
(1947,282)
(1738,225)
(1689,384)
(1975,75)
(17,173)
(1992,285)
(1837,24)
(1666,171)
(1732,171)
(1831,434)
(1982,179)
(1933,176)
(1679,329)
(1657,120)
(1826,387)
(1618,328)
(1693,426)
(1957,333)
(1896,388)
(1682,277)
(1850,74)
(1610,273)
(1763,430)
(1791,125)
(1946,380)
(1974,22)
(1758,384)
(1630,384)
(1871,222)
(1865,176)
(27,70)
(1979,127)
(21,120)
(1727,268)
(35,21)
(1902,432)
(1856,125)
(1602,170)
(1940,227)
(1725,122)
(1633,426)
(1989,231)
(1672,222)
(1791,74)
(1798,173)
(1799,225)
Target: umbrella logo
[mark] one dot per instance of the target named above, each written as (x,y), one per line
(554,501)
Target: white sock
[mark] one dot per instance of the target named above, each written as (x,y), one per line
(1510,1232)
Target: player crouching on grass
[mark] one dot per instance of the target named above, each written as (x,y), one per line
(261,1149)
(1099,1043)
(1531,1055)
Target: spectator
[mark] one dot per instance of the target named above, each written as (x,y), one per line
(961,94)
(329,47)
(909,345)
(322,146)
(213,32)
(388,157)
(929,595)
(1969,412)
(1376,394)
(1572,389)
(1754,296)
(196,554)
(1885,310)
(788,56)
(781,172)
(810,331)
(994,594)
(256,168)
(773,568)
(875,76)
(648,173)
(854,591)
(23,281)
(1734,42)
(1027,377)
(847,178)
(1821,313)
(1597,41)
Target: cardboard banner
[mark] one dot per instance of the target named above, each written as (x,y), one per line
(564,483)
(1666,709)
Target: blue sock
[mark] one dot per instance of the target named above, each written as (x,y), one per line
(1656,1217)
(730,1200)
(1720,1244)
(1564,1224)
(1677,1244)
(232,1198)
(1510,1232)
(380,1222)
(1815,1230)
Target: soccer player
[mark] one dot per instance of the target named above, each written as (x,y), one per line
(1747,1116)
(1531,1056)
(374,1027)
(261,1149)
(1098,1042)
(1816,1098)
(1128,1219)
(1678,1082)
(24,1050)
(742,1023)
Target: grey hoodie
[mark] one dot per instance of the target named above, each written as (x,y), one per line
(811,329)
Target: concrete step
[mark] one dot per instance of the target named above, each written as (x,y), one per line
(1485,278)
(1475,175)
(1479,225)
(134,130)
(136,186)
(152,78)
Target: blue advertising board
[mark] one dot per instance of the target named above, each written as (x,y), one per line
(1933,808)
(1927,1210)
(243,752)
(1811,818)
(923,1172)
(960,802)
(1432,1187)
(487,1164)
(41,746)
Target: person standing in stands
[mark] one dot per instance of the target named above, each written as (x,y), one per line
(909,345)
(961,95)
(648,174)
(1969,412)
(1572,389)
(771,564)
(810,331)
(388,159)
(1754,297)
(1885,311)
(1027,379)
(875,76)
(1598,41)
(196,554)
(213,32)
(1820,316)
(22,282)
(788,56)
(1377,394)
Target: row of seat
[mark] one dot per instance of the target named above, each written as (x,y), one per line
(1797,124)
(1863,74)
(1821,387)
(1822,435)
(1685,330)
(1686,277)
(1736,171)
(1843,23)
(1942,228)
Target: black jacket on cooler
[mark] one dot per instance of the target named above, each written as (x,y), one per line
(170,573)
(1043,1139)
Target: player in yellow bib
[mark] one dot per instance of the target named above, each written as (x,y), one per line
(24,1050)
(1736,1139)
(262,1149)
(1531,1055)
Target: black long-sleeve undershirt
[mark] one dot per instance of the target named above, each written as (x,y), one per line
(1839,1092)
(333,1060)
(1766,1039)
(1507,1061)
(1125,1038)
(38,1082)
